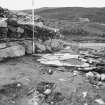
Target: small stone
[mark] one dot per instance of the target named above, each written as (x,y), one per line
(47,91)
(50,71)
(40,47)
(100,101)
(85,103)
(102,77)
(62,79)
(98,76)
(75,73)
(18,85)
(84,94)
(89,74)
(3,22)
(20,30)
(13,102)
(36,103)
(51,102)
(100,84)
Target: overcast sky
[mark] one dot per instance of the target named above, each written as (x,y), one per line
(26,4)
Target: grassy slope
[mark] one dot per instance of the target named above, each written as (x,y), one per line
(69,13)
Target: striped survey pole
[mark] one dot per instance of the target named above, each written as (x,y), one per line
(33,38)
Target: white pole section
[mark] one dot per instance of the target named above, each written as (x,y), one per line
(33,39)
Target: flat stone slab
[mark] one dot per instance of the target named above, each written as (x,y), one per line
(62,59)
(12,51)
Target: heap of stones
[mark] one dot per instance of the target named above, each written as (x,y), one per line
(17,28)
(15,25)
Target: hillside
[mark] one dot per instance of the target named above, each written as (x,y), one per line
(71,13)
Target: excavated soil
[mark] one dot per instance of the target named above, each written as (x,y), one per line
(20,77)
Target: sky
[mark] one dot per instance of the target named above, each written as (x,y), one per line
(27,4)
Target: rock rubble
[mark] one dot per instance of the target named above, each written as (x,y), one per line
(18,28)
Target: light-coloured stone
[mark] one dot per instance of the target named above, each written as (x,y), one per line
(62,59)
(102,77)
(13,51)
(54,44)
(84,94)
(3,22)
(2,45)
(89,74)
(47,91)
(100,101)
(98,76)
(60,56)
(20,30)
(40,47)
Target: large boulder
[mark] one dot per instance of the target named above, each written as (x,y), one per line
(12,51)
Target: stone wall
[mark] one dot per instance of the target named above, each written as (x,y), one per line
(16,35)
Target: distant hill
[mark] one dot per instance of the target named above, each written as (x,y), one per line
(71,13)
(29,11)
